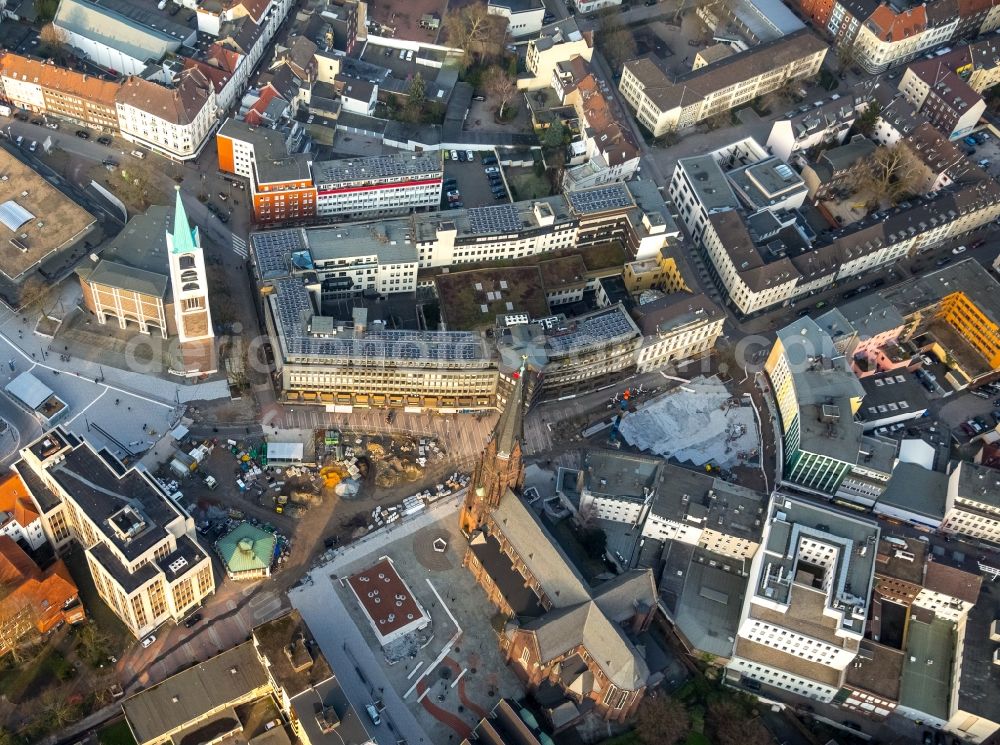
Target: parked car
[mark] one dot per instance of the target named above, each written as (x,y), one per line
(479,98)
(489,159)
(222,196)
(223,217)
(373,714)
(453,194)
(192,620)
(492,169)
(52,125)
(459,203)
(138,154)
(83,134)
(19,140)
(958,250)
(109,162)
(105,140)
(148,640)
(470,156)
(454,154)
(37,122)
(33,146)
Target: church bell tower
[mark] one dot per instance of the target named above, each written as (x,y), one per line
(500,466)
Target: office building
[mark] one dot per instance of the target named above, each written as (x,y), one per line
(804,616)
(825,450)
(662,103)
(141,547)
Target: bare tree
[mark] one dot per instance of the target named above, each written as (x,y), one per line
(55,43)
(891,173)
(500,87)
(662,720)
(729,724)
(847,57)
(55,706)
(615,40)
(474,30)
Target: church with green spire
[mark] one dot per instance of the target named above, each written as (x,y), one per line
(151,279)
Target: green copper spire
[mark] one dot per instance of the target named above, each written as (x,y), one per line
(183,236)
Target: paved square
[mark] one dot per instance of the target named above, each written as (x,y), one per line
(452,672)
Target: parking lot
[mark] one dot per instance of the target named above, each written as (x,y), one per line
(473,183)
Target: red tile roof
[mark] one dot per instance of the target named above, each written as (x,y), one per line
(15,499)
(44,592)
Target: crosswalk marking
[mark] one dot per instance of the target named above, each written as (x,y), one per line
(240,247)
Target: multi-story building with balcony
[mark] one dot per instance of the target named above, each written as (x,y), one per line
(803,618)
(663,104)
(141,547)
(956,306)
(558,42)
(174,121)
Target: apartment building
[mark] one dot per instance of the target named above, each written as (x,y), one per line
(825,450)
(173,121)
(663,104)
(803,618)
(141,548)
(19,519)
(957,304)
(882,35)
(45,88)
(826,125)
(837,170)
(942,97)
(558,42)
(761,253)
(34,601)
(612,153)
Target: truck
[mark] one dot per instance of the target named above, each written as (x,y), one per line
(279,503)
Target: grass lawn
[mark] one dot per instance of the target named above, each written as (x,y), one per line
(526,185)
(33,673)
(119,635)
(627,738)
(116,734)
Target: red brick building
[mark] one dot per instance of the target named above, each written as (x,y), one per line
(560,637)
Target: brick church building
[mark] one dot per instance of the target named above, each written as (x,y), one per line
(571,644)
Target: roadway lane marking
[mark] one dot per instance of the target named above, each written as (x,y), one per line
(84,410)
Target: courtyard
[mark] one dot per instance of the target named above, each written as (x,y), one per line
(434,684)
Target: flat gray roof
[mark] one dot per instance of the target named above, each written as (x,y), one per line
(224,679)
(914,488)
(968,276)
(29,390)
(397,165)
(709,182)
(792,519)
(926,681)
(619,474)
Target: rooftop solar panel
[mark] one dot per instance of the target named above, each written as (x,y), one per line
(600,199)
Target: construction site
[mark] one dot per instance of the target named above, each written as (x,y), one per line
(351,483)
